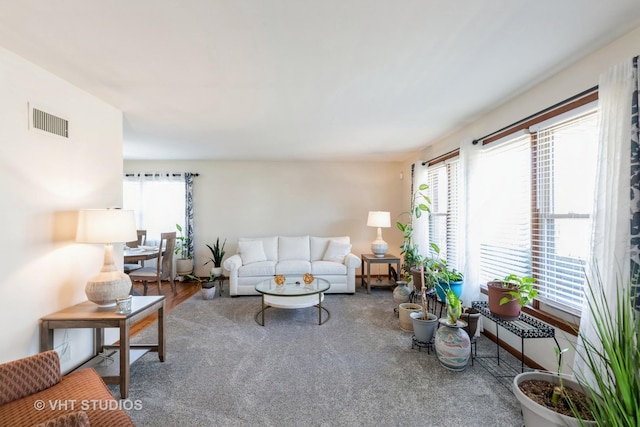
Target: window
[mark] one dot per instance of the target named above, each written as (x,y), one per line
(158,201)
(443,222)
(441,227)
(504,233)
(537,196)
(565,158)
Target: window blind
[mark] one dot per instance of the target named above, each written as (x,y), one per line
(505,197)
(565,155)
(443,222)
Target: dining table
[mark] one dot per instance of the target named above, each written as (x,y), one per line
(135,255)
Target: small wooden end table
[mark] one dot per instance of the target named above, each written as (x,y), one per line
(369,259)
(89,315)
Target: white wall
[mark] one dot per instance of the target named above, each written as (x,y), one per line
(45,180)
(580,76)
(246,199)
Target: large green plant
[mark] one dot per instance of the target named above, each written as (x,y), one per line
(217,253)
(420,203)
(183,245)
(613,358)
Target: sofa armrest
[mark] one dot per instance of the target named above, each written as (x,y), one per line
(23,377)
(232,263)
(352,261)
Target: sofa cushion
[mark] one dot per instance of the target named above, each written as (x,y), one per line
(298,267)
(270,245)
(336,251)
(328,268)
(293,248)
(318,245)
(261,268)
(22,377)
(251,251)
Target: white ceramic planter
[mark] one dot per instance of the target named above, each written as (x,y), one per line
(184,266)
(209,293)
(536,415)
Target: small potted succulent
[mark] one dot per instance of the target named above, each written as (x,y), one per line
(217,254)
(509,295)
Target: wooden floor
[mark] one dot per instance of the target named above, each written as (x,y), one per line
(184,291)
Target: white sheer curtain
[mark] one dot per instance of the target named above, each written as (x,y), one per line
(158,200)
(420,225)
(470,220)
(610,236)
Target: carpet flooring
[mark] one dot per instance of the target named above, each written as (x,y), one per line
(358,369)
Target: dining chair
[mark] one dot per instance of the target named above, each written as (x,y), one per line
(163,270)
(142,237)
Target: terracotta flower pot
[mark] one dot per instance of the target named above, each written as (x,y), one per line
(508,311)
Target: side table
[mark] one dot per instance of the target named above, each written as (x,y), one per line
(89,315)
(369,259)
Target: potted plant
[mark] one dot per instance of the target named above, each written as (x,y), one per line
(509,295)
(217,254)
(184,262)
(424,323)
(452,343)
(207,286)
(409,250)
(612,384)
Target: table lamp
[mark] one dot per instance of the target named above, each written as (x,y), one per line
(107,226)
(379,219)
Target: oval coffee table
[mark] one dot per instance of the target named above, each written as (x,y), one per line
(294,293)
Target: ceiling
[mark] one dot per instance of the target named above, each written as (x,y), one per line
(304,79)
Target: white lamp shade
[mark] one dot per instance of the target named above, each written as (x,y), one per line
(106,226)
(379,219)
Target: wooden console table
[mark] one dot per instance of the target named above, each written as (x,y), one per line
(524,326)
(89,315)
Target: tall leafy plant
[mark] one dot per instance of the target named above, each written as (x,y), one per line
(183,244)
(612,358)
(420,204)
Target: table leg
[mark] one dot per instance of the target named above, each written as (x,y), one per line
(262,309)
(368,277)
(162,342)
(46,336)
(124,358)
(320,309)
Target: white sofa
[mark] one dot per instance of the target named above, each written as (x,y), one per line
(258,259)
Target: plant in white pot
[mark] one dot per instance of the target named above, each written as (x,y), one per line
(612,360)
(184,262)
(217,254)
(207,286)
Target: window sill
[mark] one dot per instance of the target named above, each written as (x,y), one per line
(553,320)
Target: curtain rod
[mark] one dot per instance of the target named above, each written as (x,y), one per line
(158,174)
(455,150)
(539,113)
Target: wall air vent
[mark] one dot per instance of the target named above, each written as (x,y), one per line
(49,123)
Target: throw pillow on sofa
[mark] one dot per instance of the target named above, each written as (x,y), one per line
(336,251)
(251,251)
